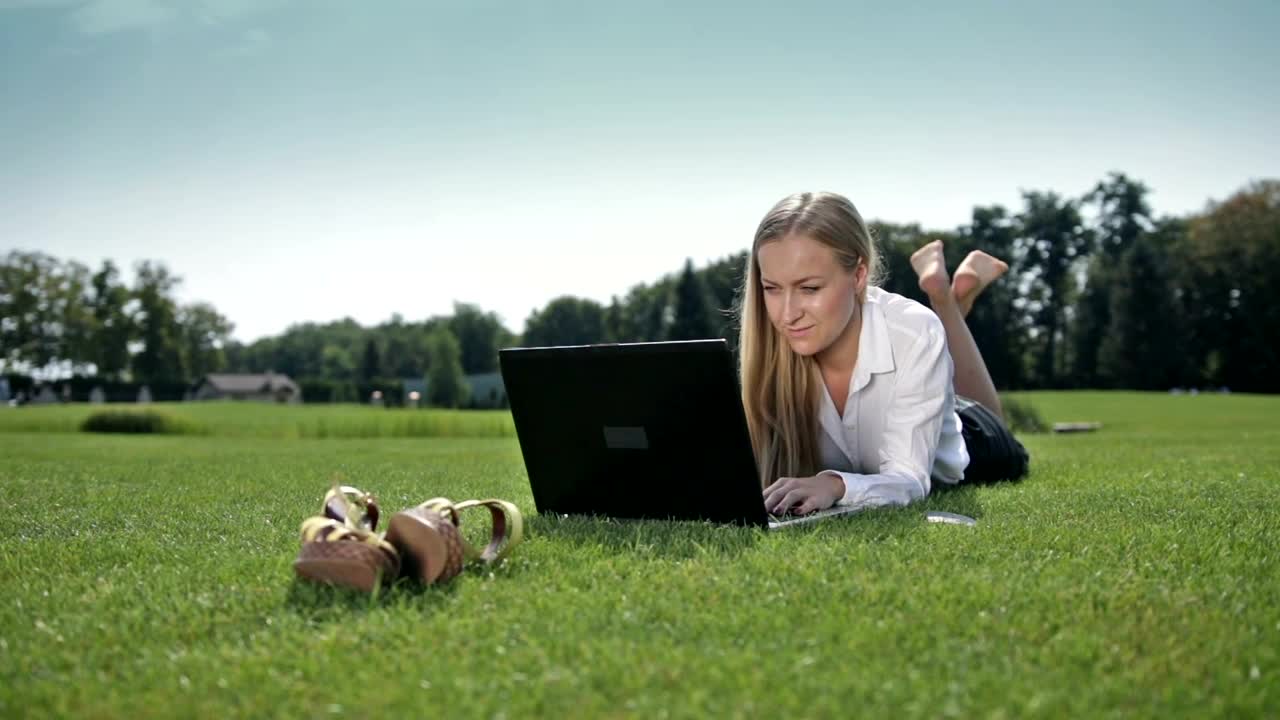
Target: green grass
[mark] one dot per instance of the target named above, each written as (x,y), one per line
(235,419)
(1133,574)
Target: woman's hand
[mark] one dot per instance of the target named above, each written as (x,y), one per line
(802,496)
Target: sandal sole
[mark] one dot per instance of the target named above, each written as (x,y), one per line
(348,564)
(429,546)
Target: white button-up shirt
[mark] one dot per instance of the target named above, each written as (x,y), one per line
(900,429)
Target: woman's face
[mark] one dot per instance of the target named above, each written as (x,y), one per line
(810,297)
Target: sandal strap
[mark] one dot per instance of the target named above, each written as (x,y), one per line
(508,528)
(445,507)
(508,525)
(324,529)
(338,503)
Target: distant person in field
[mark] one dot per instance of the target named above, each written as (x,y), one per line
(855,395)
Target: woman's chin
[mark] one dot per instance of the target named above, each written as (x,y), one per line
(802,346)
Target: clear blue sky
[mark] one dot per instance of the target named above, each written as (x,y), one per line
(313,160)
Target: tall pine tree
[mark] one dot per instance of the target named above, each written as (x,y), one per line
(371,365)
(692,317)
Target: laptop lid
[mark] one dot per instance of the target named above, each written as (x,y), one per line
(634,430)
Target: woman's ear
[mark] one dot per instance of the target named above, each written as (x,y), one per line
(860,278)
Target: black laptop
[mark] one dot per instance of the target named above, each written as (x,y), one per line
(637,430)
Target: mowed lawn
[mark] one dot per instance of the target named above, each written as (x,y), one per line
(1134,574)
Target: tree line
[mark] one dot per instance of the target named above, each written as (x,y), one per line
(63,318)
(1100,294)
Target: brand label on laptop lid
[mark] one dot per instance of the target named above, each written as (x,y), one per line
(626,438)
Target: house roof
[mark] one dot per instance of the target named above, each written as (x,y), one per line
(237,383)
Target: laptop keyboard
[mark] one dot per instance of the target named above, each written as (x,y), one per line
(783,520)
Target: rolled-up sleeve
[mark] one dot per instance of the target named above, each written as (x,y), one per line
(913,425)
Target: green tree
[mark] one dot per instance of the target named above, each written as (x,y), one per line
(1234,249)
(614,330)
(692,319)
(111,328)
(446,383)
(35,307)
(335,363)
(1052,237)
(1091,322)
(74,316)
(565,321)
(1142,344)
(646,312)
(205,333)
(479,334)
(1123,215)
(405,347)
(371,365)
(160,358)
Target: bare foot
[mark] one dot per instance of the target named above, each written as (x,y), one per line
(931,266)
(973,276)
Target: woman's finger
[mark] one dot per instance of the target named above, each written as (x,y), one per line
(809,505)
(776,490)
(792,498)
(774,496)
(777,484)
(775,499)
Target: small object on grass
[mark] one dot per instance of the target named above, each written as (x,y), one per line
(335,553)
(429,536)
(938,516)
(429,543)
(1076,427)
(341,546)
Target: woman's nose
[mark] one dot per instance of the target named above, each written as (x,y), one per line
(791,311)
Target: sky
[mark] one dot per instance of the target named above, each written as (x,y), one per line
(310,160)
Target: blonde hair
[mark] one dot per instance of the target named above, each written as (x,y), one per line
(780,387)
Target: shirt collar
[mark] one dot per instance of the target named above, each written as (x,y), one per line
(875,352)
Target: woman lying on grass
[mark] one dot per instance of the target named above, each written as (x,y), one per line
(854,395)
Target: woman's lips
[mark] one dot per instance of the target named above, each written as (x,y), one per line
(800,332)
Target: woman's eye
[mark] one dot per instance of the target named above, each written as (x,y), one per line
(809,289)
(771,289)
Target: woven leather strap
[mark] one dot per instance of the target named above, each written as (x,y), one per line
(323,529)
(507,530)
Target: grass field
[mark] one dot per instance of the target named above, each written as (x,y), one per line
(1134,574)
(233,419)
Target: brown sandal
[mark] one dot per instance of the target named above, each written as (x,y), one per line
(339,549)
(431,545)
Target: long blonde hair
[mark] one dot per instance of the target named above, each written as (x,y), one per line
(780,388)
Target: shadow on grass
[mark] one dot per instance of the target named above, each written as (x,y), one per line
(960,499)
(673,540)
(321,603)
(687,540)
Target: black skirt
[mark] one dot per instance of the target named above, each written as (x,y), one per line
(994,453)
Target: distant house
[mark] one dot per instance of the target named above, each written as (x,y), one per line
(487,390)
(268,387)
